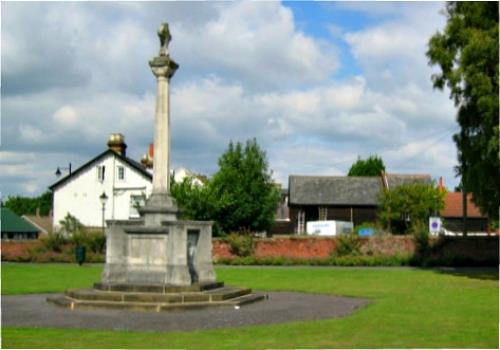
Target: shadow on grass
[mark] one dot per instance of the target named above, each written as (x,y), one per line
(482,273)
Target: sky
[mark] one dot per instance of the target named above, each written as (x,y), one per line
(318,84)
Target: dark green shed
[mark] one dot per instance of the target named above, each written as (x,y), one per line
(14,227)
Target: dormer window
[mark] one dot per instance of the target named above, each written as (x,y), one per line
(100,173)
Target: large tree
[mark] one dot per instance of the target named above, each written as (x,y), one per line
(240,197)
(247,196)
(409,204)
(28,205)
(467,55)
(372,166)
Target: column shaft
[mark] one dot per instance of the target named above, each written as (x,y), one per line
(161,157)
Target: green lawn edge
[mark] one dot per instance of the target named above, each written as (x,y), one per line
(412,308)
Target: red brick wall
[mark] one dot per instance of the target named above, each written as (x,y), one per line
(12,250)
(317,247)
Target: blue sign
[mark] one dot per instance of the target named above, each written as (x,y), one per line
(366,231)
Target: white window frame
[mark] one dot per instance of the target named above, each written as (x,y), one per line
(101,173)
(122,169)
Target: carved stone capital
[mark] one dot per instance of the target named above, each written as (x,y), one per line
(163,66)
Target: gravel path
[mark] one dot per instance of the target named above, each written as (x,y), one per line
(281,307)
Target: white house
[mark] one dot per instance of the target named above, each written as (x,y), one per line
(125,182)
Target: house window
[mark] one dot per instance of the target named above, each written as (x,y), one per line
(136,201)
(121,173)
(100,172)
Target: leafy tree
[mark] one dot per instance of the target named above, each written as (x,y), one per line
(372,166)
(28,205)
(409,204)
(247,197)
(193,199)
(467,55)
(240,197)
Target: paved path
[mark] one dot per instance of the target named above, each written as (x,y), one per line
(281,307)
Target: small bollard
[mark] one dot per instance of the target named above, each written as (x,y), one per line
(80,254)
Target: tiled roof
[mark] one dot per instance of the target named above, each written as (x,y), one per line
(395,180)
(345,190)
(334,190)
(44,223)
(453,206)
(11,222)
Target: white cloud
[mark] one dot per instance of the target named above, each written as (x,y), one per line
(66,116)
(246,71)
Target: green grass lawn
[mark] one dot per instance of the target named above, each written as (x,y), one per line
(411,309)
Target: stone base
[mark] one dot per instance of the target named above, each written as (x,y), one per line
(177,252)
(159,207)
(156,297)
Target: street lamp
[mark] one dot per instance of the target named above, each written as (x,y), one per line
(103,198)
(58,171)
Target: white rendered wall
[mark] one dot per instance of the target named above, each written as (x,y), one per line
(80,195)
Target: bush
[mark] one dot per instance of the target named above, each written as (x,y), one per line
(94,241)
(348,244)
(242,244)
(397,260)
(54,242)
(420,233)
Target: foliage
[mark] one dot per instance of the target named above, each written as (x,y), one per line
(347,260)
(242,244)
(94,241)
(409,203)
(467,55)
(194,200)
(348,244)
(372,166)
(420,233)
(240,197)
(70,226)
(27,205)
(54,242)
(247,197)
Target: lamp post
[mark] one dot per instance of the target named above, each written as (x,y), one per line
(103,198)
(58,170)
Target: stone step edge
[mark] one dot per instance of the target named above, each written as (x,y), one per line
(143,288)
(65,301)
(220,294)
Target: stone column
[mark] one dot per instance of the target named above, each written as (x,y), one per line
(160,206)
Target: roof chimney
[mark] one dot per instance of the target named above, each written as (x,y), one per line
(385,181)
(147,158)
(116,143)
(441,184)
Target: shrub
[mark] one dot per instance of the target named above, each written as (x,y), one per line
(242,244)
(420,234)
(396,260)
(94,241)
(348,244)
(70,226)
(54,242)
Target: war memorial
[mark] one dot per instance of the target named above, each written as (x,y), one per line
(158,262)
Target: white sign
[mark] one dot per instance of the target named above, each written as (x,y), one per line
(434,225)
(328,228)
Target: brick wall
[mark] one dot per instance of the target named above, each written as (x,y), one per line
(317,247)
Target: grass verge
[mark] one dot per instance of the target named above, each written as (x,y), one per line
(413,308)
